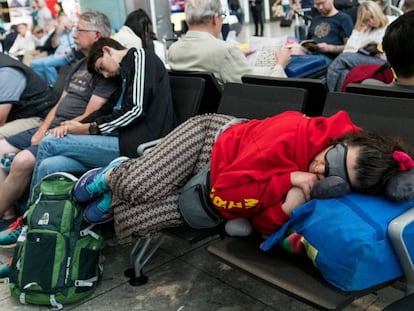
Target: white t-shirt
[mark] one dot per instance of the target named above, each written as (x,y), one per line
(358,39)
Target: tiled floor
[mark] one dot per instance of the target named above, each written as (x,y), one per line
(184,277)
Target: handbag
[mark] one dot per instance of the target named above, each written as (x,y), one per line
(195,204)
(286,21)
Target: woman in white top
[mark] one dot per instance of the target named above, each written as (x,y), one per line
(369,29)
(137,32)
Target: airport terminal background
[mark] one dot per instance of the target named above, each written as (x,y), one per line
(162,12)
(182,277)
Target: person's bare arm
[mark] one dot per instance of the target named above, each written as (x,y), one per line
(330,48)
(56,35)
(44,127)
(42,130)
(4,113)
(304,181)
(283,56)
(294,198)
(95,103)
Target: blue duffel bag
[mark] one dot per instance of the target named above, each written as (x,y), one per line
(346,238)
(301,66)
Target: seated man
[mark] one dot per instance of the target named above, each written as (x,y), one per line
(330,30)
(84,93)
(24,98)
(399,48)
(46,67)
(201,50)
(24,42)
(144,112)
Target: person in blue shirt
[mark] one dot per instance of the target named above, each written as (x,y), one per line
(331,29)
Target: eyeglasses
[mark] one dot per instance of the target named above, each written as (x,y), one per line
(222,15)
(85,30)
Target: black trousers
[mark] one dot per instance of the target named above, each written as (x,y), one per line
(257,14)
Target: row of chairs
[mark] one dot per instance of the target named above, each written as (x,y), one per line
(258,97)
(386,115)
(315,97)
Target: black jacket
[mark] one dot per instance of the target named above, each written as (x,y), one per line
(147,111)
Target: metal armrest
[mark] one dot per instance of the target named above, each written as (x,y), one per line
(395,233)
(146,147)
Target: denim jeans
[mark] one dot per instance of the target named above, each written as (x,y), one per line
(342,64)
(73,154)
(46,67)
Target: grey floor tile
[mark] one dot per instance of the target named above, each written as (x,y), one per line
(202,260)
(178,247)
(174,286)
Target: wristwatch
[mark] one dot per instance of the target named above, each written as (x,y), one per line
(93,128)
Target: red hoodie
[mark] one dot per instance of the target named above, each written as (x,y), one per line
(251,163)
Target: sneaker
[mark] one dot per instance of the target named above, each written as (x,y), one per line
(8,237)
(92,184)
(99,211)
(5,269)
(80,192)
(5,223)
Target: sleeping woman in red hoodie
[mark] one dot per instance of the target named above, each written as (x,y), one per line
(260,170)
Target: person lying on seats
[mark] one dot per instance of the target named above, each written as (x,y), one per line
(260,170)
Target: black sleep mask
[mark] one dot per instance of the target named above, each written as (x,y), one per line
(335,162)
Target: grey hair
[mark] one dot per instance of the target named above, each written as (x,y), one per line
(200,11)
(97,21)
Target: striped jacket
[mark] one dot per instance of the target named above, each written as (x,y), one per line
(145,111)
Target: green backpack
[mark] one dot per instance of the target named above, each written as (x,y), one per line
(58,258)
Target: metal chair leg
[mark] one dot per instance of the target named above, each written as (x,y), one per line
(139,255)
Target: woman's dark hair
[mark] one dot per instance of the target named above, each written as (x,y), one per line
(375,164)
(96,51)
(140,23)
(398,45)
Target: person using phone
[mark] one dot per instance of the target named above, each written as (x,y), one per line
(362,45)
